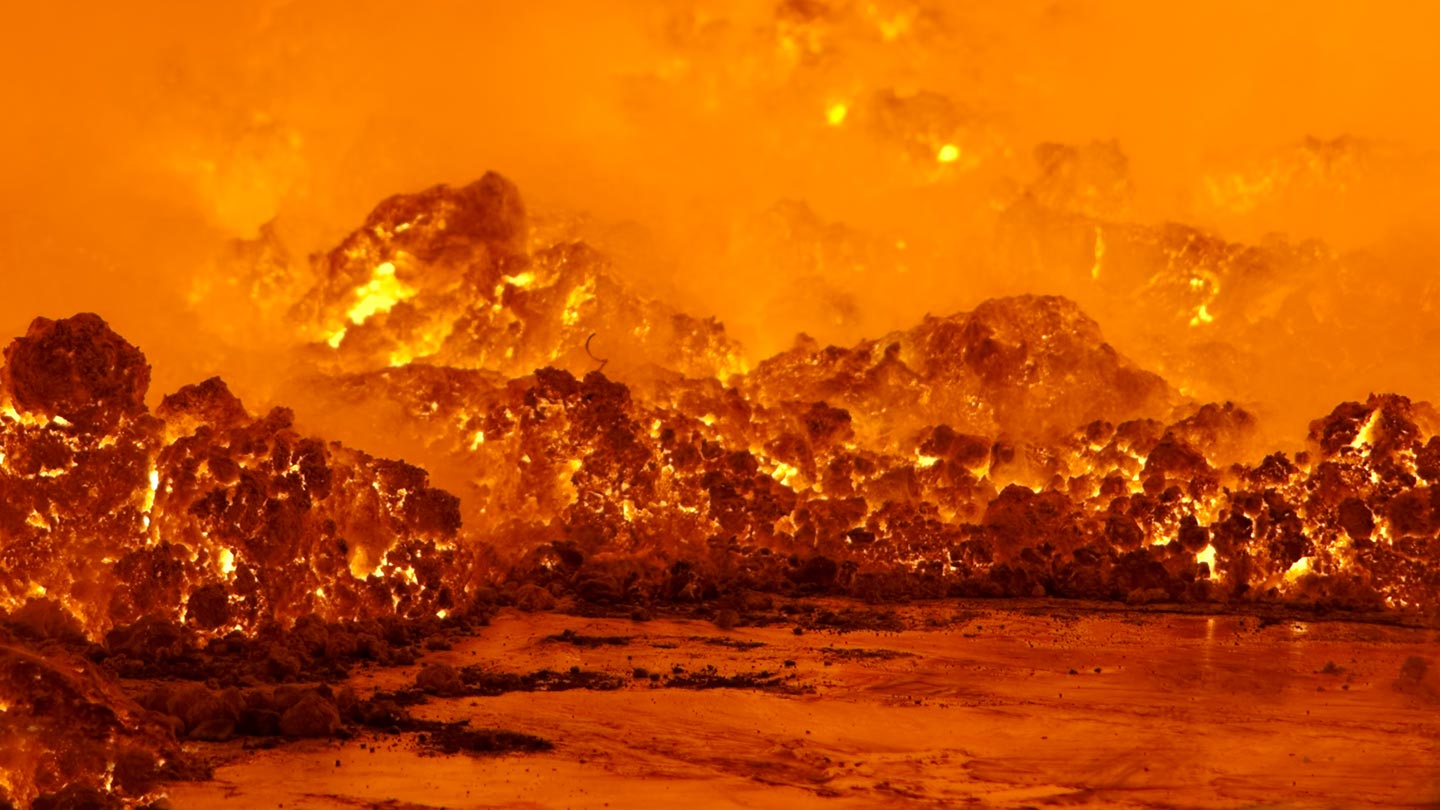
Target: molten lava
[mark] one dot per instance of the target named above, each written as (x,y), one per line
(467,403)
(1008,451)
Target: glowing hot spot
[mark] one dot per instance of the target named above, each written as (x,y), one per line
(380,294)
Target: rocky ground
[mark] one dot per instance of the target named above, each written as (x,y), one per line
(1025,704)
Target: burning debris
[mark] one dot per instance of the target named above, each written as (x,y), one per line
(445,277)
(71,733)
(1008,451)
(198,512)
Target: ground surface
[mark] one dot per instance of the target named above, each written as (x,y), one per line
(993,708)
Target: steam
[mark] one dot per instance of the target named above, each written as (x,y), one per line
(838,168)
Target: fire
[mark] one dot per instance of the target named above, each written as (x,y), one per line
(1365,436)
(380,294)
(524,279)
(1099,254)
(1206,556)
(1300,568)
(891,334)
(574,301)
(227,561)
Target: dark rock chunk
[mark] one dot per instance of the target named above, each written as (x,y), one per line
(209,606)
(76,368)
(205,714)
(1356,519)
(78,797)
(208,403)
(454,739)
(311,716)
(439,679)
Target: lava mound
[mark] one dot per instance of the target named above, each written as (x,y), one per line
(447,276)
(1004,452)
(198,512)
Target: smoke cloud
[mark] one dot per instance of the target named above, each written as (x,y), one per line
(837,168)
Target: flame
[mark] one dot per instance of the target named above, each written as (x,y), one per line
(577,299)
(1099,254)
(520,280)
(1207,556)
(1365,436)
(1298,569)
(379,295)
(1004,447)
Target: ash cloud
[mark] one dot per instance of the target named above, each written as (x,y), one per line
(772,164)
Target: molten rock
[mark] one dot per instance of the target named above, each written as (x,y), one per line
(62,723)
(445,276)
(76,369)
(201,511)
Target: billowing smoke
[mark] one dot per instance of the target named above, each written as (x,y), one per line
(838,168)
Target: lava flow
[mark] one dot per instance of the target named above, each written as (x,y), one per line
(891,345)
(1007,451)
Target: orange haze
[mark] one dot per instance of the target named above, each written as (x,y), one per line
(834,167)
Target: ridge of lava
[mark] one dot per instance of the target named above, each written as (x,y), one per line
(1005,451)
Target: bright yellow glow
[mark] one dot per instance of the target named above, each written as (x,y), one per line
(524,279)
(1202,315)
(926,462)
(1365,437)
(150,496)
(835,115)
(577,298)
(732,365)
(1099,254)
(477,440)
(380,294)
(784,473)
(335,339)
(1207,556)
(949,153)
(227,561)
(1299,569)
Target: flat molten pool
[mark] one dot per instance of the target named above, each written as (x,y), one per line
(1043,706)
